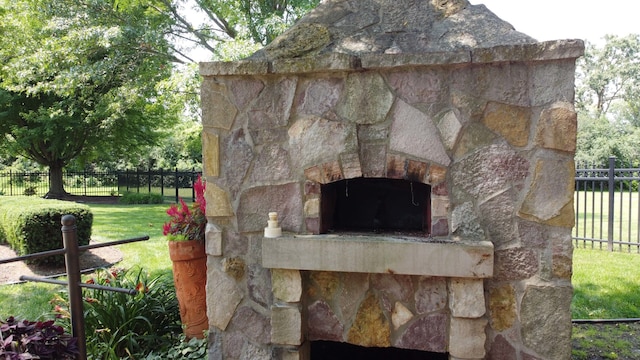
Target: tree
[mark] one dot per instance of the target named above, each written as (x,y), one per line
(608,101)
(88,80)
(79,80)
(226,29)
(609,75)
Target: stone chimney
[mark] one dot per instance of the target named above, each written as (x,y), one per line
(435,122)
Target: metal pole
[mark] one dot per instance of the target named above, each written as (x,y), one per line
(162,182)
(177,189)
(612,184)
(70,241)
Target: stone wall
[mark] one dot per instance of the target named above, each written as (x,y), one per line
(493,132)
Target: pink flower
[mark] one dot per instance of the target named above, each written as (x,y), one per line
(187,222)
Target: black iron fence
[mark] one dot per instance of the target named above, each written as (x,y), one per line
(169,183)
(607,199)
(607,207)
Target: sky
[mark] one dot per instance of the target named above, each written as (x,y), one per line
(588,20)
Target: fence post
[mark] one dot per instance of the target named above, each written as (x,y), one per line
(10,182)
(193,181)
(162,182)
(177,187)
(611,186)
(72,252)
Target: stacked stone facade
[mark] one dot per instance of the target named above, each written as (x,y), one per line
(491,130)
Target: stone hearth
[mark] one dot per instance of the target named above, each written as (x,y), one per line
(477,122)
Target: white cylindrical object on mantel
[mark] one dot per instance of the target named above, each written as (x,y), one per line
(272,230)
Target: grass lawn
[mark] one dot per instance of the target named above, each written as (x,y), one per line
(606,284)
(110,223)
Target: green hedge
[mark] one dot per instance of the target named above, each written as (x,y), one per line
(31,225)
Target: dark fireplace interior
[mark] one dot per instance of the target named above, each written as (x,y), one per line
(376,205)
(330,350)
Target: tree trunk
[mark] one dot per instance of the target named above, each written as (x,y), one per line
(56,184)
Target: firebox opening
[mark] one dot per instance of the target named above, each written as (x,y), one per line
(329,350)
(377,205)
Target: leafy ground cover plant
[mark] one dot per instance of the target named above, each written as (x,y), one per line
(181,349)
(35,340)
(121,325)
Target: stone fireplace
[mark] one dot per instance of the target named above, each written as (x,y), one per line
(419,155)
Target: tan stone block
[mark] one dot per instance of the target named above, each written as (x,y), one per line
(414,133)
(286,285)
(218,204)
(550,196)
(437,174)
(449,127)
(351,167)
(400,315)
(467,338)
(512,122)
(213,240)
(557,128)
(226,293)
(218,110)
(211,154)
(314,174)
(312,207)
(466,298)
(502,307)
(370,328)
(327,282)
(331,172)
(286,325)
(439,206)
(366,99)
(416,170)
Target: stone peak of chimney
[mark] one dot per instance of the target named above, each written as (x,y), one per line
(359,27)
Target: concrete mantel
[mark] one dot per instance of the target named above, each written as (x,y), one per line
(379,254)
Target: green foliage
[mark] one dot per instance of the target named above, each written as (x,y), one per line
(598,139)
(609,74)
(131,198)
(608,101)
(31,225)
(78,80)
(118,324)
(182,350)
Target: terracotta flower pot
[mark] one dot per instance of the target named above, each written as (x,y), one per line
(190,276)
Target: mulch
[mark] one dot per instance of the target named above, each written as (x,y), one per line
(89,261)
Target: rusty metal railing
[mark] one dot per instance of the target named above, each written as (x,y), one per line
(71,252)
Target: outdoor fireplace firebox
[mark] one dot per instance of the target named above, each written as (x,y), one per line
(419,157)
(377,205)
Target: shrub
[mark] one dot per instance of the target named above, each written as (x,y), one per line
(30,191)
(31,225)
(35,340)
(121,325)
(131,198)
